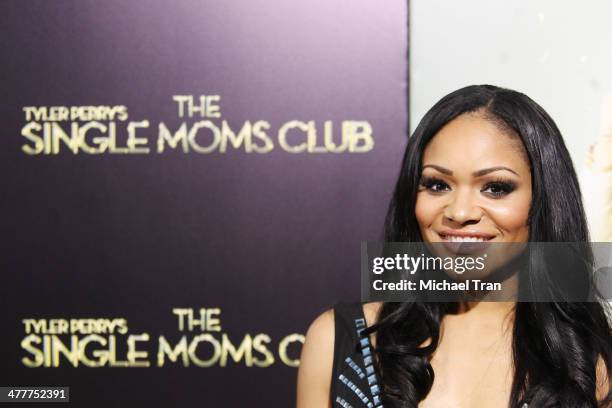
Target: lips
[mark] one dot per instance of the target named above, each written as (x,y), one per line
(453,238)
(466,235)
(465,242)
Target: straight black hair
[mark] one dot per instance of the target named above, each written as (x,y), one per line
(556,345)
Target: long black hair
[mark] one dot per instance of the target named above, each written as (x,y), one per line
(556,345)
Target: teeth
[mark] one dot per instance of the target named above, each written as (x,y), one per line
(464,239)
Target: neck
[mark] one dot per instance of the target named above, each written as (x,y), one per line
(476,315)
(486,308)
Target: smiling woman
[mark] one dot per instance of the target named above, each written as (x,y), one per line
(484,164)
(482,191)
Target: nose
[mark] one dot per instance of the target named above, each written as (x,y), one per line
(463,208)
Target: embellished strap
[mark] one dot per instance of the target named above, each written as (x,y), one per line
(353,360)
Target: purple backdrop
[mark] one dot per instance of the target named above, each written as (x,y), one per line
(271,239)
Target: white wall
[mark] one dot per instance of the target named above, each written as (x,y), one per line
(557,52)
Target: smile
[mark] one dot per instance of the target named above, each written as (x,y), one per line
(465,236)
(452,238)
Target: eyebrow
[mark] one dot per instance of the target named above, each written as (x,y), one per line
(478,173)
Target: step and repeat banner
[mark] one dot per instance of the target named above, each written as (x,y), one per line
(185,187)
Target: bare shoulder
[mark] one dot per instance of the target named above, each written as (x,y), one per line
(316,363)
(603,382)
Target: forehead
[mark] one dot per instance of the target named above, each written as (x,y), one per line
(472,142)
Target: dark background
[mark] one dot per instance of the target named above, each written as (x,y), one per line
(271,239)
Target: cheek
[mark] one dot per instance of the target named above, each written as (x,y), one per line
(425,210)
(512,215)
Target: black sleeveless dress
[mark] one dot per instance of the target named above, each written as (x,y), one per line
(354,382)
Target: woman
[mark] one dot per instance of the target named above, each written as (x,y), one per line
(484,162)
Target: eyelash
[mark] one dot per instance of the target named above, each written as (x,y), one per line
(504,187)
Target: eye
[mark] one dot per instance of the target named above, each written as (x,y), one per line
(435,185)
(499,188)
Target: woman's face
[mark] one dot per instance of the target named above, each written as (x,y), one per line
(475,184)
